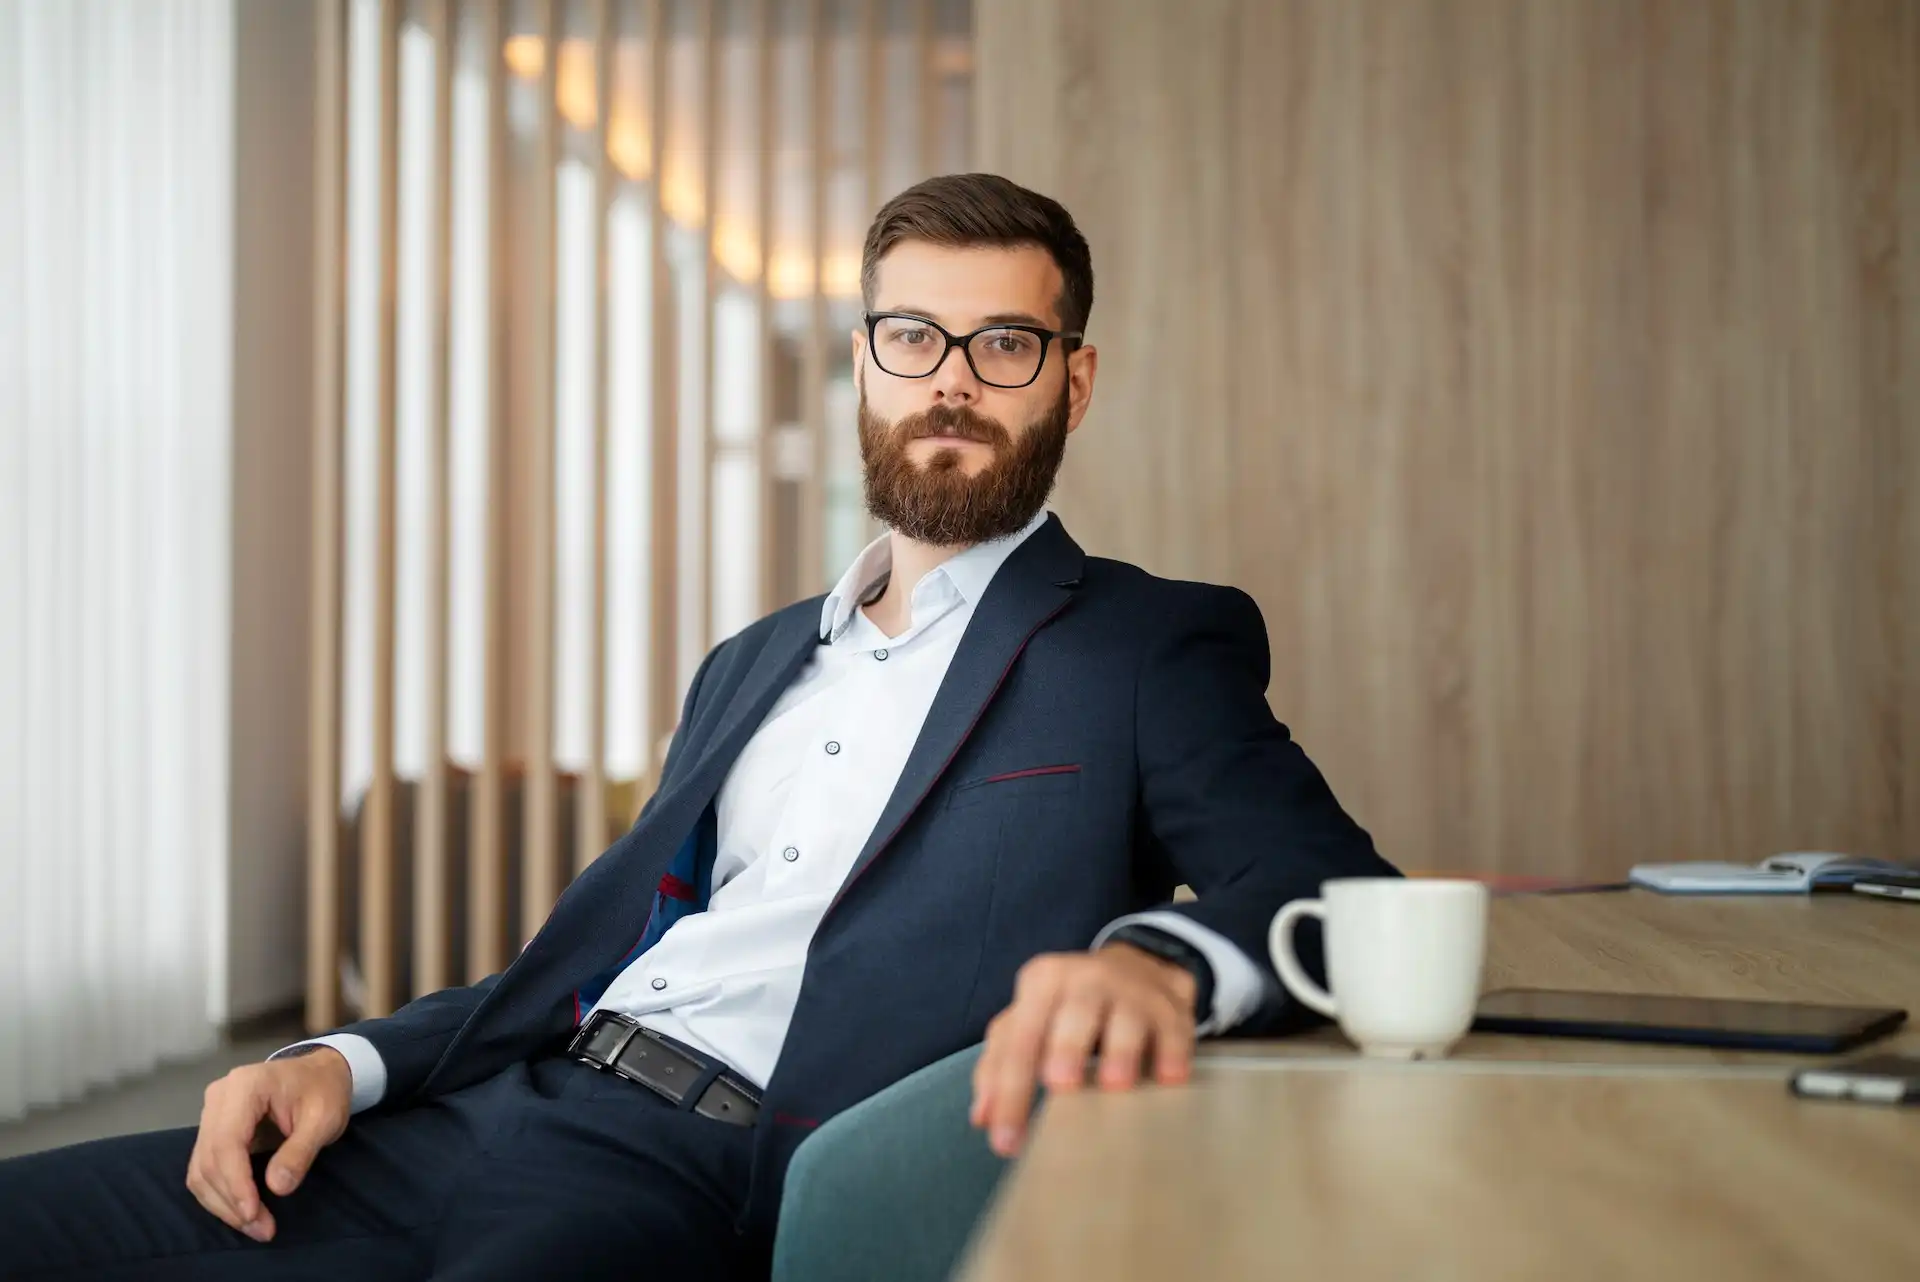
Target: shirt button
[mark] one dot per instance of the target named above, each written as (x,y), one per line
(790,854)
(880,655)
(658,984)
(833,749)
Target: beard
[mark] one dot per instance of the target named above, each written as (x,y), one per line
(938,503)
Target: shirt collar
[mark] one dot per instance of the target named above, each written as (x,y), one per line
(969,572)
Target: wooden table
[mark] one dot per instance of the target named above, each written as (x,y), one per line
(1520,1157)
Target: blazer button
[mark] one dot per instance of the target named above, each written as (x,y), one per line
(833,749)
(880,655)
(659,984)
(790,854)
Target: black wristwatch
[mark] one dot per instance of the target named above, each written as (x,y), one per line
(1171,947)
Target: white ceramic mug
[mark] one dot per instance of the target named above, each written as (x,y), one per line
(1403,960)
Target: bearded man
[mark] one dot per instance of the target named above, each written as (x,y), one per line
(947,803)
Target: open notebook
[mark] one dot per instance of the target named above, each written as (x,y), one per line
(1792,874)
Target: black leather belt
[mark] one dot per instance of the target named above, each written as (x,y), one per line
(618,1044)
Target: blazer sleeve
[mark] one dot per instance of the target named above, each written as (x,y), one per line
(411,1040)
(1228,798)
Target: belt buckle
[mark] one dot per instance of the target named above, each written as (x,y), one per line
(591,1029)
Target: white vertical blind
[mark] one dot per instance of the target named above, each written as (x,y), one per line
(116,161)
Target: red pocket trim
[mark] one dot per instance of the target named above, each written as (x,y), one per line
(1037,770)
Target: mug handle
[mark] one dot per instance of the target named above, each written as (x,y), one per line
(1292,973)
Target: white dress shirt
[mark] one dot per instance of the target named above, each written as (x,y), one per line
(793,815)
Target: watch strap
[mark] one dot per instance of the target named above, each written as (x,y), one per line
(1170,947)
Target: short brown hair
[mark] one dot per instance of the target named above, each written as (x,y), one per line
(965,210)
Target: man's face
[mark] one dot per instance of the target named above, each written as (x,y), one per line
(950,458)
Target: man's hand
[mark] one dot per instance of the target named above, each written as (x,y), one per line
(304,1098)
(1127,1002)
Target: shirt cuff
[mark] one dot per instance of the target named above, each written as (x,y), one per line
(369,1071)
(1237,984)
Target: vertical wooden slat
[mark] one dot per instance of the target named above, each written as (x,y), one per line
(963,114)
(590,826)
(323,692)
(874,149)
(664,612)
(430,907)
(487,864)
(377,957)
(710,206)
(929,91)
(873,62)
(764,20)
(540,854)
(813,516)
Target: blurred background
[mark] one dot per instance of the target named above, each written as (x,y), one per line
(398,397)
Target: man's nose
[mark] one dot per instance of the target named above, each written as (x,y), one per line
(953,379)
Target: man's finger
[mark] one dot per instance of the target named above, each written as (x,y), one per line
(232,1175)
(1173,1037)
(290,1164)
(983,1070)
(228,1166)
(199,1176)
(260,1228)
(210,1198)
(1070,1041)
(1123,1043)
(989,1071)
(1010,1088)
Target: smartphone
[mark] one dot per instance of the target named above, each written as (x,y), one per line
(1890,885)
(1876,1079)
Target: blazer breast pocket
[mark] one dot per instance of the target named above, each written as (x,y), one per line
(1045,784)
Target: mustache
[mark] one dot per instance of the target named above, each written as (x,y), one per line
(952,420)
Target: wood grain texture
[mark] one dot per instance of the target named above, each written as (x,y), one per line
(432,909)
(591,819)
(322,1003)
(489,930)
(1403,1173)
(1549,373)
(1519,1157)
(540,870)
(378,892)
(663,609)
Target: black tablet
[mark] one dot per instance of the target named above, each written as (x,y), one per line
(1694,1021)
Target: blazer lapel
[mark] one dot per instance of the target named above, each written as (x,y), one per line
(773,670)
(1034,586)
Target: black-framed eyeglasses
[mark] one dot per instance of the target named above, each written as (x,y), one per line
(908,346)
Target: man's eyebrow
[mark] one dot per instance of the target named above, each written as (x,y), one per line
(998,318)
(1016,318)
(908,309)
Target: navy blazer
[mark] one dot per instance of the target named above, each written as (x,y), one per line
(1101,736)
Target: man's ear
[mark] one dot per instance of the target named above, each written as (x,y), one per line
(1082,364)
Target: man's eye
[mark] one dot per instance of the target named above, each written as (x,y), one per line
(912,337)
(1010,342)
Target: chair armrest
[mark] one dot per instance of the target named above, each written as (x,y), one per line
(889,1190)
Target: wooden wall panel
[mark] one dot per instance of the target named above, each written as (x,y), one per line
(1548,372)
